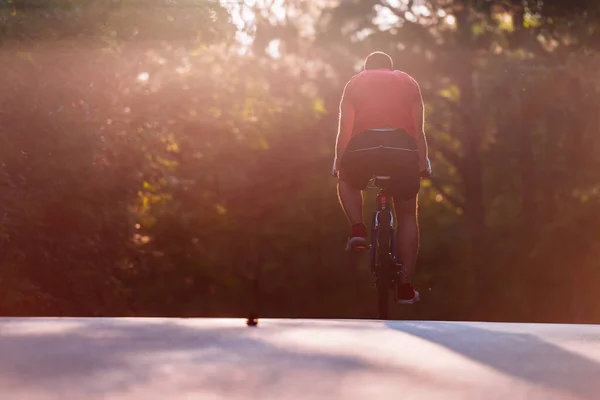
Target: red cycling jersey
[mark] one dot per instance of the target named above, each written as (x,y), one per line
(382,98)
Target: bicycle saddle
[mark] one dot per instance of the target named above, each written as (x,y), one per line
(381,181)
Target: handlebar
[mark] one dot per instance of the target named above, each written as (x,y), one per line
(428,172)
(334,172)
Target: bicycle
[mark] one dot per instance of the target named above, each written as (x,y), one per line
(383,260)
(385,266)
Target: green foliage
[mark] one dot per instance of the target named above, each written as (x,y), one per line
(151,167)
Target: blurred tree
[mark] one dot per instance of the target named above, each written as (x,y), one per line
(155,160)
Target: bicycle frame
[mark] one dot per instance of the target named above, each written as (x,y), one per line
(383,257)
(386,203)
(384,218)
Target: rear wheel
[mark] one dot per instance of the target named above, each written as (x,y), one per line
(384,267)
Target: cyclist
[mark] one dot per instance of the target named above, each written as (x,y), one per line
(381,133)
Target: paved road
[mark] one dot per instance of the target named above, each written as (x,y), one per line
(209,359)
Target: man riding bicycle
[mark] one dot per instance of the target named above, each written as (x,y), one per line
(381,133)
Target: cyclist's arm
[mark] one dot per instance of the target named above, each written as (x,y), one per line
(345,126)
(418,114)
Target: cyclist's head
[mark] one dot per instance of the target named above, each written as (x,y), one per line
(378,60)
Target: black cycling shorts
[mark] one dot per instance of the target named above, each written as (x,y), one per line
(390,153)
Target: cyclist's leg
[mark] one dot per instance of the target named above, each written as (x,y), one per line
(352,203)
(354,176)
(351,200)
(407,235)
(405,185)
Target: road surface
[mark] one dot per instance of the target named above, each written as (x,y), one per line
(216,359)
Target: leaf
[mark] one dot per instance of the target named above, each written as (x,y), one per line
(221,210)
(318,105)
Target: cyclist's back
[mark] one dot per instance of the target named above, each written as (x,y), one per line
(382,98)
(382,140)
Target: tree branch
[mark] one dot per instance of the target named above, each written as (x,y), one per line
(396,12)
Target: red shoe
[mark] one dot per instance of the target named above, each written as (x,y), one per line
(407,294)
(358,238)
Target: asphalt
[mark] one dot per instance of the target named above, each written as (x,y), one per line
(215,359)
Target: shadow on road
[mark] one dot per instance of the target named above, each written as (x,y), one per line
(83,358)
(99,357)
(521,355)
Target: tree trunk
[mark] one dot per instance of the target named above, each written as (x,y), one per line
(472,174)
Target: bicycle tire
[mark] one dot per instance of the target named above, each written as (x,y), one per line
(384,261)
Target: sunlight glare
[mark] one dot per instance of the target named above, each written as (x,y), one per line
(421,10)
(186,67)
(247,15)
(450,19)
(506,21)
(40,327)
(243,16)
(410,16)
(273,48)
(143,77)
(363,33)
(244,40)
(385,18)
(279,10)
